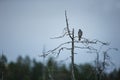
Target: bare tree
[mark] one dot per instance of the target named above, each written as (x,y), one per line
(74,39)
(102,64)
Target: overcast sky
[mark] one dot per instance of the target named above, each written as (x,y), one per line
(27,25)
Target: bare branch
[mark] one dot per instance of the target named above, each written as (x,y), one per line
(85,42)
(98,41)
(107,57)
(67,25)
(59,48)
(88,47)
(111,49)
(65,33)
(46,54)
(60,36)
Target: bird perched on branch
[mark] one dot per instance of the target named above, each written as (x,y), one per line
(79,34)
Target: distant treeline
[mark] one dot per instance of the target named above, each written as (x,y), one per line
(27,69)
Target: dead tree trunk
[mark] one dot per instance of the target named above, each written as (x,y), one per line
(71,36)
(72,56)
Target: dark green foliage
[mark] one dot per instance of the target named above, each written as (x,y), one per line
(36,72)
(3,66)
(87,72)
(115,75)
(27,69)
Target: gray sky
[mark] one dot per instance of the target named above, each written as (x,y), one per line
(27,25)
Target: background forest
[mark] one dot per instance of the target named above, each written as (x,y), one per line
(27,69)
